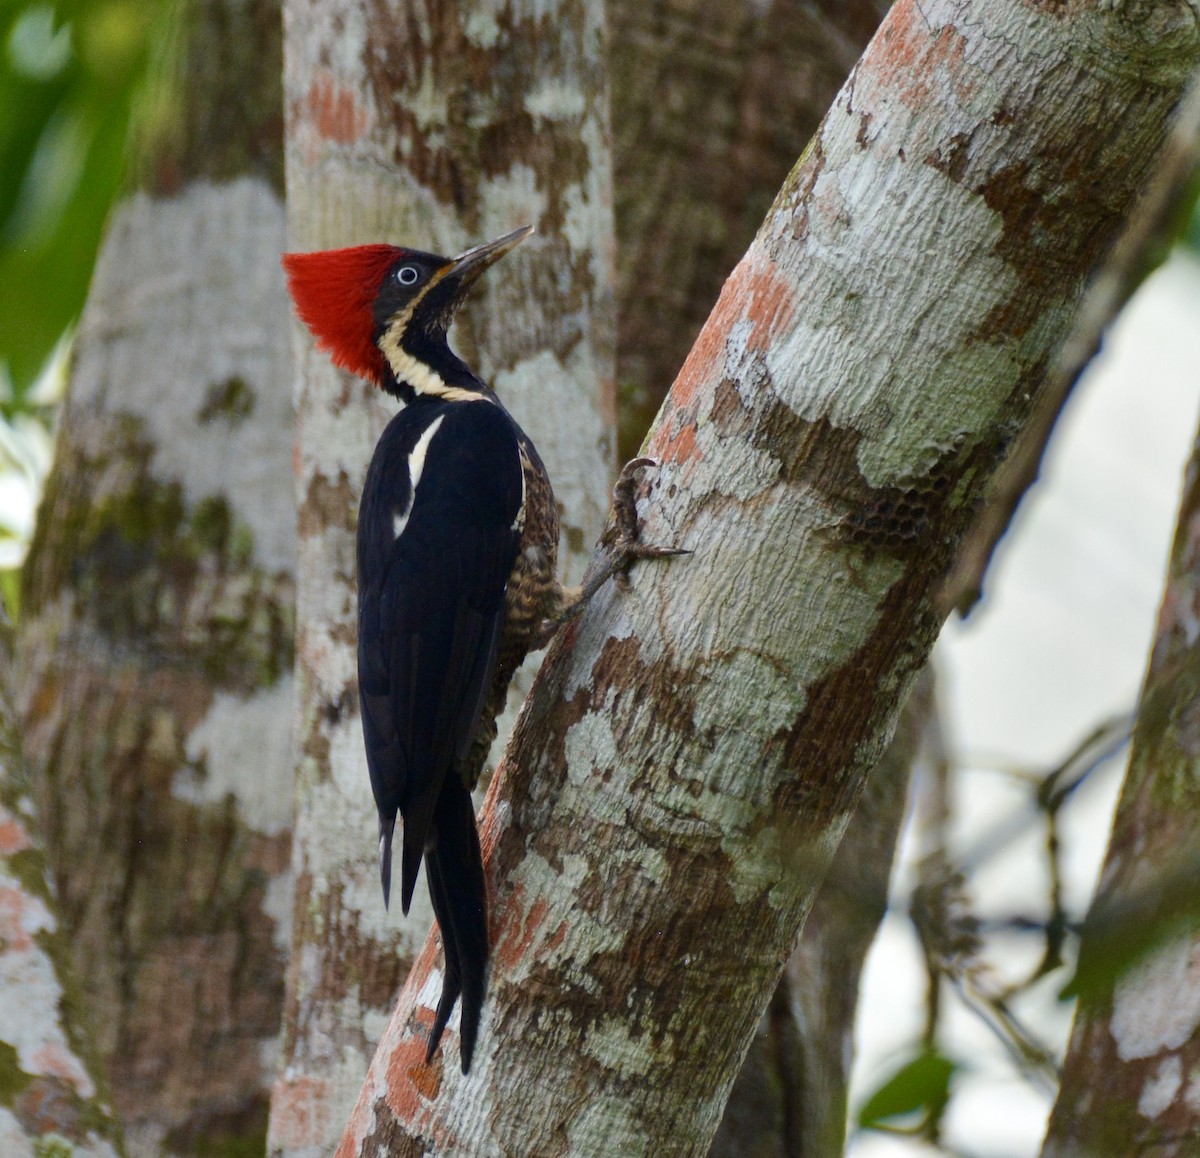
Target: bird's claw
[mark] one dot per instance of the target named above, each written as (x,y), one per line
(625,547)
(625,497)
(621,547)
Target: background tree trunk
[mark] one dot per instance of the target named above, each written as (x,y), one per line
(437,125)
(823,450)
(1128,1084)
(790,1098)
(712,103)
(51,1089)
(156,638)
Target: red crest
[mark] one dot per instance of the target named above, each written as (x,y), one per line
(334,291)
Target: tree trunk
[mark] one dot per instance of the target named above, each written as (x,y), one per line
(50,1087)
(1129,1083)
(436,125)
(691,752)
(156,640)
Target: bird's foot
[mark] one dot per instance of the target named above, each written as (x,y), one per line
(624,546)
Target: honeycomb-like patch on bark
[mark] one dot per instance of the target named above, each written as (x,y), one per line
(896,517)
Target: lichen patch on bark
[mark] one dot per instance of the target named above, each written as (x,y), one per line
(31,996)
(1161,1088)
(1156,1004)
(227,751)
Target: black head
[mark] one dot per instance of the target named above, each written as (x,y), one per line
(417,300)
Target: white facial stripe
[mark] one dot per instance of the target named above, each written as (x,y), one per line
(405,367)
(422,378)
(415,372)
(416,466)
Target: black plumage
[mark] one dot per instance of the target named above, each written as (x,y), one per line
(434,562)
(457,559)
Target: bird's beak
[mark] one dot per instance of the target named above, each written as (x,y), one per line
(466,267)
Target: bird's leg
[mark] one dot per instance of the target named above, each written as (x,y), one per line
(623,549)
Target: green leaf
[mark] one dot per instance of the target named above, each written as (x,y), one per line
(71,72)
(920,1086)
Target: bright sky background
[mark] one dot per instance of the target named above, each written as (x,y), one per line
(1061,643)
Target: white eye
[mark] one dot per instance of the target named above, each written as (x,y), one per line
(408,275)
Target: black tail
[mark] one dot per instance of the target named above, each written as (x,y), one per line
(387,826)
(454,868)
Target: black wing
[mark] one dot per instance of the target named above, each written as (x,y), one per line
(433,563)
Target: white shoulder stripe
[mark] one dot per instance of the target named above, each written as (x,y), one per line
(518,523)
(416,460)
(416,466)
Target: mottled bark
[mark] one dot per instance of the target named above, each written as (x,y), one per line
(712,102)
(435,125)
(790,1098)
(49,1089)
(691,752)
(156,640)
(1129,1084)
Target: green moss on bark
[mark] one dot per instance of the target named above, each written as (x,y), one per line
(14,1081)
(156,572)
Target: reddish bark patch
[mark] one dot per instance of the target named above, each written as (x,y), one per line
(300,1112)
(46,1107)
(334,111)
(910,64)
(411,1083)
(405,1118)
(757,291)
(707,354)
(14,904)
(517,928)
(55,1060)
(556,938)
(770,305)
(678,446)
(13,836)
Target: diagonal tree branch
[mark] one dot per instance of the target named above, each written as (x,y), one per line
(691,751)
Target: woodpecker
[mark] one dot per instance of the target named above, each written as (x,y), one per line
(457,561)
